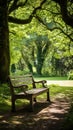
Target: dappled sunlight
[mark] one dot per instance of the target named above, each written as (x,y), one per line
(47,116)
(16,122)
(1,116)
(5,105)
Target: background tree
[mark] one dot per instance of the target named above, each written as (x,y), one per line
(42,44)
(39,47)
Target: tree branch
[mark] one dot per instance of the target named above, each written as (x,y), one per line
(53,28)
(66,18)
(15,5)
(25,21)
(20,21)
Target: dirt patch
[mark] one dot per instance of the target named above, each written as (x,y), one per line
(45,116)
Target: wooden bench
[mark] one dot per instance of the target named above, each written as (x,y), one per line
(24,87)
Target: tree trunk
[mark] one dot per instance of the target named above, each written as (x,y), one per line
(39,69)
(39,65)
(4,42)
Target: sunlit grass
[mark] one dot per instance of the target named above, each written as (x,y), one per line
(66,91)
(50,78)
(55,90)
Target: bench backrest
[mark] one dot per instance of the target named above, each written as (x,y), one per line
(20,80)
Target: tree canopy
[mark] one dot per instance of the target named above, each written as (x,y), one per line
(51,14)
(66,10)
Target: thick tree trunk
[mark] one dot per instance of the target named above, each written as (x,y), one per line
(4,42)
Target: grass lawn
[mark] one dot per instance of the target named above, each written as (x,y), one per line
(50,78)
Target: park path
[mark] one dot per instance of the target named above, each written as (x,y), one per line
(68,83)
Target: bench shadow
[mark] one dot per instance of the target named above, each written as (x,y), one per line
(38,106)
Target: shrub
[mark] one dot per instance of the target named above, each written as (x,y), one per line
(70,75)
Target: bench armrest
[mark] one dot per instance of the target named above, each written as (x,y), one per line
(43,82)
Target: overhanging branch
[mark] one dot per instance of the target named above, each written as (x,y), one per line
(19,21)
(16,5)
(53,28)
(25,21)
(66,18)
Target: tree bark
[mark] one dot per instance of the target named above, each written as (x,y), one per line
(4,42)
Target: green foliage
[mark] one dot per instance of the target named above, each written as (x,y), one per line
(19,72)
(23,38)
(39,48)
(4,90)
(70,75)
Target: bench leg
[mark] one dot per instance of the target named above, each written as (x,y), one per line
(31,104)
(48,96)
(13,105)
(35,100)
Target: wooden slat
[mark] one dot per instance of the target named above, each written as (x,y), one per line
(19,80)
